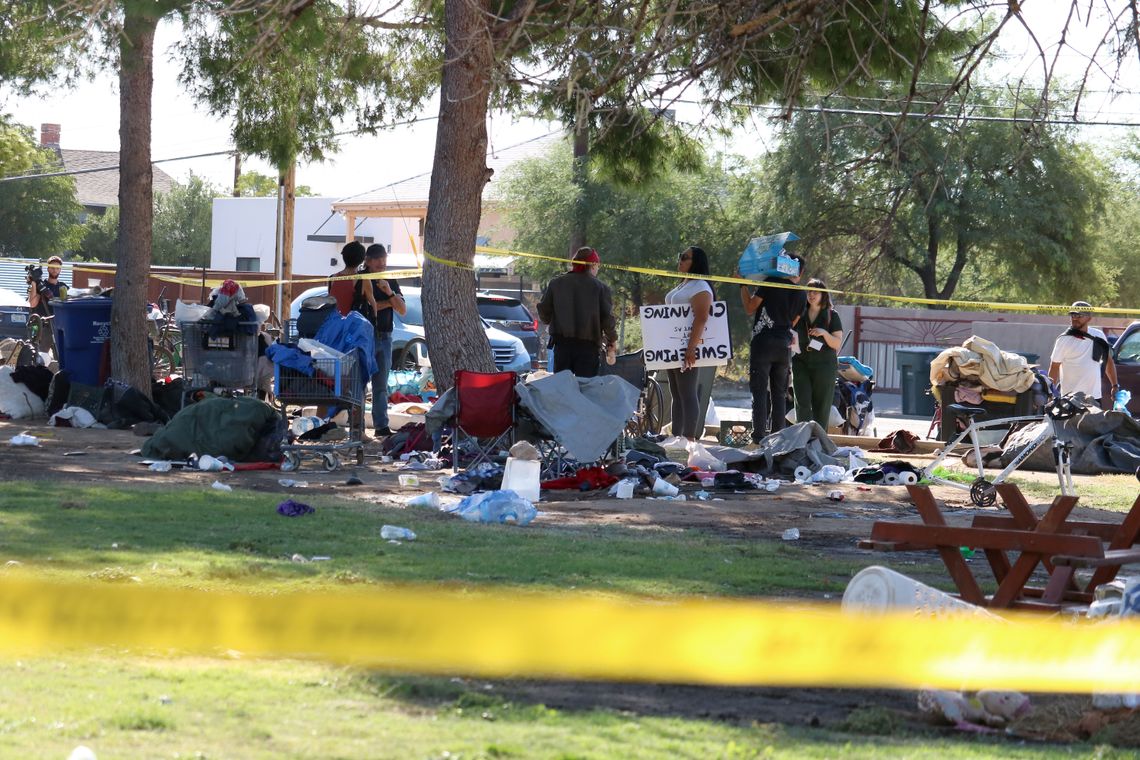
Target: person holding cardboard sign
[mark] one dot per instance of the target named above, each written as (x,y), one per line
(698,294)
(815,367)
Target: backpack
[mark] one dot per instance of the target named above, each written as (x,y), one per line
(409,438)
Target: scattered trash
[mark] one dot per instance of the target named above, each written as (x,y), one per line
(409,480)
(525,450)
(319,558)
(966,552)
(298,558)
(772,486)
(662,487)
(829,473)
(429,500)
(495,507)
(160,467)
(791,534)
(522,476)
(880,589)
(708,482)
(829,516)
(23,439)
(623,489)
(75,453)
(802,474)
(979,714)
(207,463)
(290,508)
(395,533)
(290,483)
(836,495)
(703,459)
(385,459)
(353,481)
(82,753)
(218,485)
(702,495)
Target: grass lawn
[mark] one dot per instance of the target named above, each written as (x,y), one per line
(126,704)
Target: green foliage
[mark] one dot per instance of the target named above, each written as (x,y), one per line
(182,224)
(290,87)
(258,185)
(100,239)
(925,206)
(38,217)
(182,221)
(645,225)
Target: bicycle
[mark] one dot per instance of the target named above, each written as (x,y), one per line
(166,341)
(41,335)
(982,491)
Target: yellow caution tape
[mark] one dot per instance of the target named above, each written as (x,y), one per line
(395,274)
(575,635)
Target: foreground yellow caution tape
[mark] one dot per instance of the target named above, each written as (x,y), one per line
(573,635)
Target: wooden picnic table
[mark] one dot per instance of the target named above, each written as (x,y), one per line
(1054,541)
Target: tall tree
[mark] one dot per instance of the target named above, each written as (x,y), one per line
(916,207)
(182,221)
(38,216)
(258,185)
(734,49)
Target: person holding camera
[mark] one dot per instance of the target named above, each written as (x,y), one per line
(41,291)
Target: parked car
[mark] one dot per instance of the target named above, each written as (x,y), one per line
(509,315)
(408,343)
(1126,355)
(13,314)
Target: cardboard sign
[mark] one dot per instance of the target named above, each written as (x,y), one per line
(665,333)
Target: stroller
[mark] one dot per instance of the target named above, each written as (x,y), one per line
(853,389)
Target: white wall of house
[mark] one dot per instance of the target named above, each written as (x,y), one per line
(244,228)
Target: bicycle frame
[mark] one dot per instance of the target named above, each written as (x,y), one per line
(1060,454)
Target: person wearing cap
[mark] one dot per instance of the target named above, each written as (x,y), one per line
(388,298)
(40,293)
(1078,354)
(579,309)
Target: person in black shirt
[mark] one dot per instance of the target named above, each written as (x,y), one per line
(388,299)
(777,310)
(40,293)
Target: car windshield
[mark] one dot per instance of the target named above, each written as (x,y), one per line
(504,310)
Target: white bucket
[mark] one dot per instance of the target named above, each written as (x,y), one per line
(522,476)
(880,589)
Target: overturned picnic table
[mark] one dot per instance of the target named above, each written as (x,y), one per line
(1053,541)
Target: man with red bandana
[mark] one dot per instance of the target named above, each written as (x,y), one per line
(579,309)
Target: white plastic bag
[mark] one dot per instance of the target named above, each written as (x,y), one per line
(190,312)
(495,507)
(703,459)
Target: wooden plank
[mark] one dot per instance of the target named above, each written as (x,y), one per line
(1105,531)
(1111,558)
(985,538)
(1125,538)
(1011,586)
(1017,506)
(951,557)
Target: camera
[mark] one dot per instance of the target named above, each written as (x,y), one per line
(34,272)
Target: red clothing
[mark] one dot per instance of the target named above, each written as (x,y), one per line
(343,291)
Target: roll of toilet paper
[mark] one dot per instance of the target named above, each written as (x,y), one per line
(891,479)
(802,473)
(907,478)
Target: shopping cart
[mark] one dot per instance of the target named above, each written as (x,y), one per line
(219,361)
(335,382)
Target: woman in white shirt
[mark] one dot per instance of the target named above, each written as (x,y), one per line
(683,381)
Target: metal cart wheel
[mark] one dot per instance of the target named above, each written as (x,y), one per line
(291,461)
(162,362)
(654,407)
(332,461)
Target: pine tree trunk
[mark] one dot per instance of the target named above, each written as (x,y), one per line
(454,332)
(130,357)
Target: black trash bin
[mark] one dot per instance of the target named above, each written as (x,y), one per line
(913,364)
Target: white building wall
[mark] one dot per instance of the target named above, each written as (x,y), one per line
(246,227)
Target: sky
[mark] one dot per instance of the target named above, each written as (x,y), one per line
(89,116)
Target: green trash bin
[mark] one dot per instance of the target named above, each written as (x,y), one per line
(913,364)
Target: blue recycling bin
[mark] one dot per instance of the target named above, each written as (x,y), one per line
(82,327)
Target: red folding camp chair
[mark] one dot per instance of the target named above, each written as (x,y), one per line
(484,413)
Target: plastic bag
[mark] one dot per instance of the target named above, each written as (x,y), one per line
(190,312)
(829,473)
(495,507)
(702,458)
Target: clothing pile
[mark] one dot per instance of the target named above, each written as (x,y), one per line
(981,362)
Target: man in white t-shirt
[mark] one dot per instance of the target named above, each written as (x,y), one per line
(1078,354)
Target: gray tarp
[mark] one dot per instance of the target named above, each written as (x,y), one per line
(1102,442)
(584,414)
(780,453)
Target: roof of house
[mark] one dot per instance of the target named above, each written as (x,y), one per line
(101,188)
(410,196)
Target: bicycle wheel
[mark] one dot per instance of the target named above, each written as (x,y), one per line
(653,407)
(411,355)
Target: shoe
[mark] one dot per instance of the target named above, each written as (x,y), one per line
(381,432)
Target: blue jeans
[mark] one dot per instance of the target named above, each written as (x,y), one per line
(380,380)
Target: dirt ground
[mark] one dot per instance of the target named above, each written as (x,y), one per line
(105,457)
